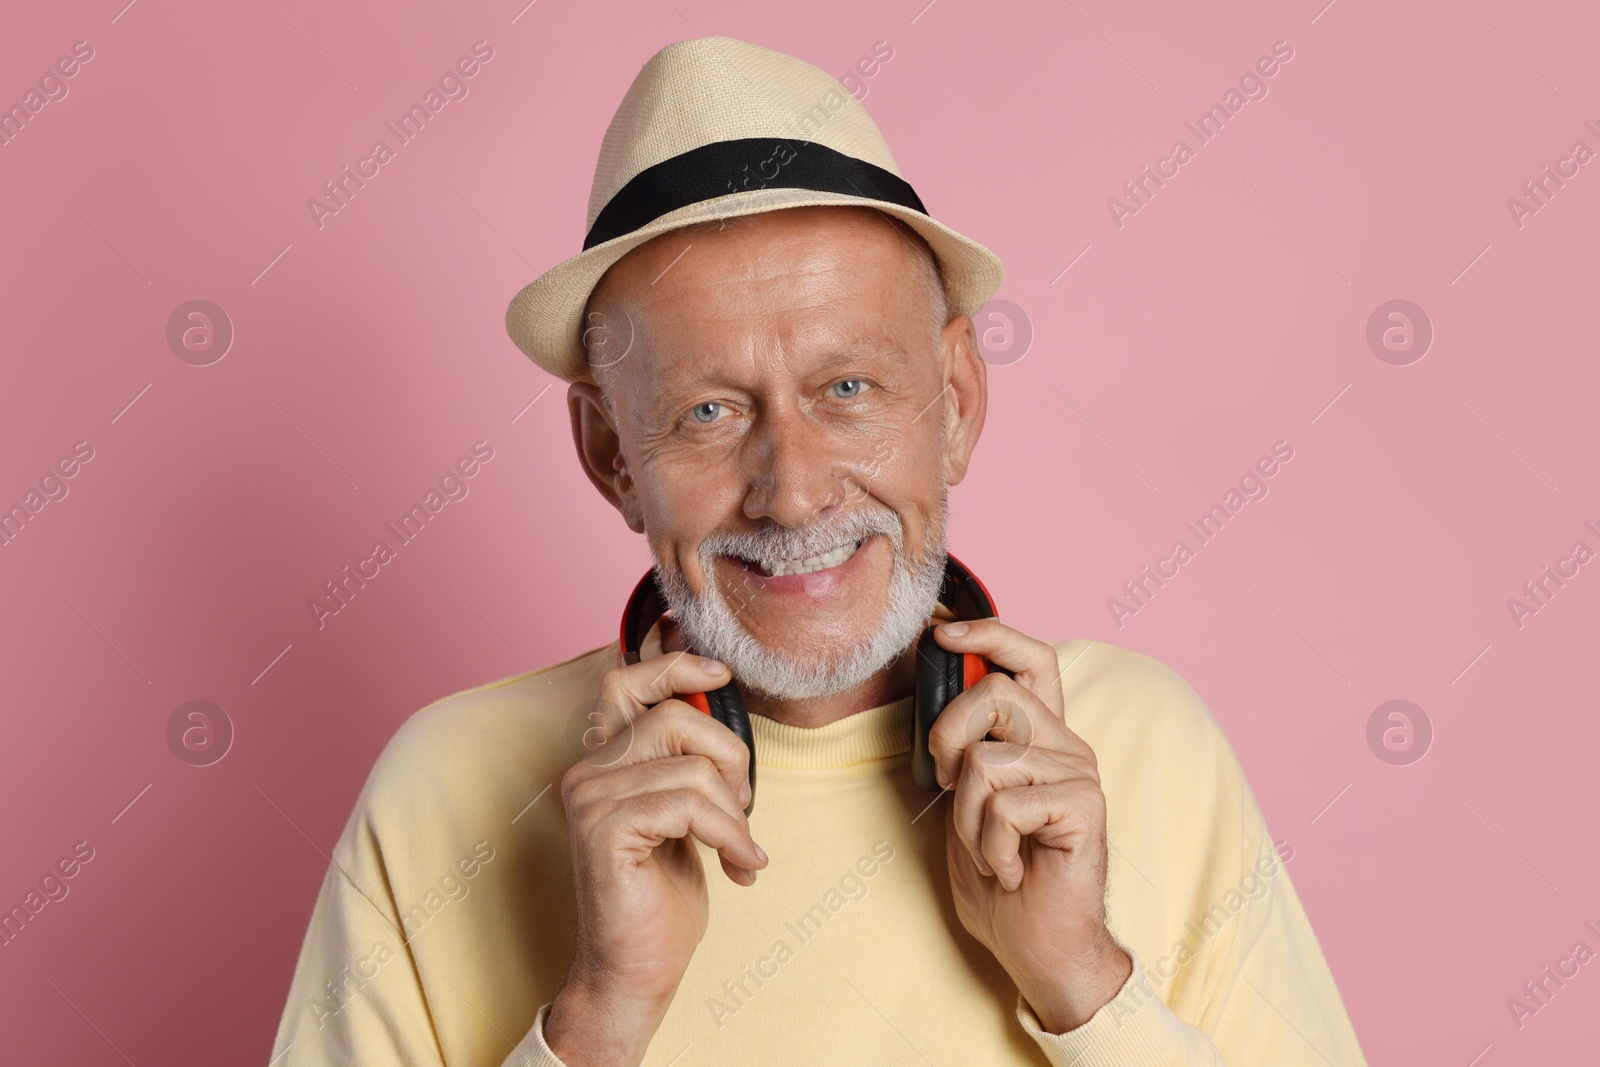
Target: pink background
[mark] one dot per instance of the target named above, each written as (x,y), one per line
(370,354)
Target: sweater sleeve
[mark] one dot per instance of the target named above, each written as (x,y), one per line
(1268,994)
(356,996)
(1277,1004)
(1134,1027)
(532,1051)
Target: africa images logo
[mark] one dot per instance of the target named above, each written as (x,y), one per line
(453,85)
(453,486)
(1252,485)
(1252,85)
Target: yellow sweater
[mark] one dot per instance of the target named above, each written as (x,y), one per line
(441,933)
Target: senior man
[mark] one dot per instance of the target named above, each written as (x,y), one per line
(774,379)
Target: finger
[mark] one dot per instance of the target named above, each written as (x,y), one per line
(1000,707)
(673,728)
(987,768)
(1000,839)
(660,775)
(1013,814)
(1033,662)
(627,691)
(957,857)
(740,875)
(641,823)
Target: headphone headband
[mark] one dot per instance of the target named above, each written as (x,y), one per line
(960,591)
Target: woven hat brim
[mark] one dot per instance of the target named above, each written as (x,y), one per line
(545,318)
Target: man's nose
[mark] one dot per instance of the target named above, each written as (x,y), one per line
(798,470)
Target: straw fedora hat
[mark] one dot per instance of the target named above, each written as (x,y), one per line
(715,128)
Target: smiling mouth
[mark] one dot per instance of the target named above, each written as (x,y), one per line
(777,568)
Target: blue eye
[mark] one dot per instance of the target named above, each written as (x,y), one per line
(848,389)
(706,412)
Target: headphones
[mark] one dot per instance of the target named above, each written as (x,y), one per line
(941,675)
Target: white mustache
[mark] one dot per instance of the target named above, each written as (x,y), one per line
(784,542)
(713,627)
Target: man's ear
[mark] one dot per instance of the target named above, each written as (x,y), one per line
(968,384)
(594,432)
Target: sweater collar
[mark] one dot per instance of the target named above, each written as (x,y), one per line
(875,734)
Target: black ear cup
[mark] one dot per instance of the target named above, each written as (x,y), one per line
(941,675)
(645,606)
(727,707)
(939,681)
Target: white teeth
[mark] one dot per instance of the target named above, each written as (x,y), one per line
(778,568)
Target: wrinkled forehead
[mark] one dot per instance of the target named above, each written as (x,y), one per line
(784,292)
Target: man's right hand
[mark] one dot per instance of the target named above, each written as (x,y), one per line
(657,773)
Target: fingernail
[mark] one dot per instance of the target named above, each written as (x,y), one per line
(708,665)
(944,782)
(983,868)
(744,794)
(954,629)
(748,874)
(762,853)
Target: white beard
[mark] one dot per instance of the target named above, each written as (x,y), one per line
(712,628)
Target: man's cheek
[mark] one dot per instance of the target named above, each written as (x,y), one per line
(741,594)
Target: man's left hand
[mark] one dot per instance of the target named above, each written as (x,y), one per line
(1025,829)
